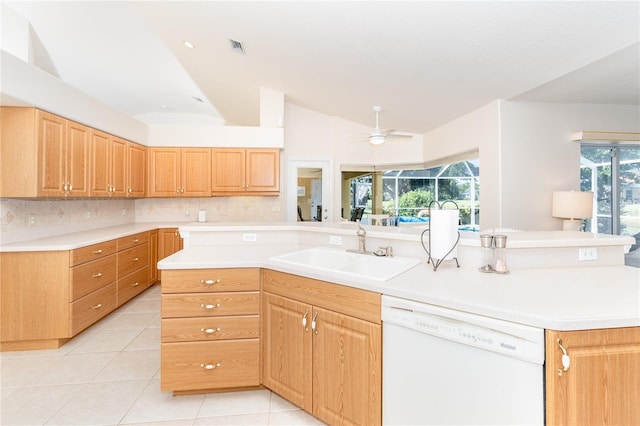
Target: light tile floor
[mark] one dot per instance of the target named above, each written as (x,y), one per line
(110,374)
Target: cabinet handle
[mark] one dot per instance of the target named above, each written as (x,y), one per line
(314,324)
(136,284)
(70,187)
(136,240)
(566,359)
(98,306)
(177,190)
(203,306)
(210,282)
(97,251)
(304,320)
(210,366)
(135,259)
(130,190)
(98,275)
(210,330)
(64,187)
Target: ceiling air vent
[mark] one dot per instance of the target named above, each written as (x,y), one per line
(236,46)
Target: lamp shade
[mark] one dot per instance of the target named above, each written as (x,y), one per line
(572,204)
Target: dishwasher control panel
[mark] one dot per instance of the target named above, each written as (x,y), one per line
(516,340)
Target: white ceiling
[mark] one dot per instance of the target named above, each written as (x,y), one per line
(425,62)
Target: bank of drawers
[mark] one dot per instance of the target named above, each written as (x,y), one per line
(92,284)
(103,276)
(210,329)
(133,266)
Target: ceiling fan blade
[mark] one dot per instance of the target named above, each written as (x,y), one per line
(398,136)
(387,132)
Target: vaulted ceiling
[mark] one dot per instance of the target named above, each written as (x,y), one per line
(425,62)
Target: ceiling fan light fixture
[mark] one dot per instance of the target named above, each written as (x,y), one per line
(376,139)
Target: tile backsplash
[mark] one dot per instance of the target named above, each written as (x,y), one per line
(22,219)
(219,209)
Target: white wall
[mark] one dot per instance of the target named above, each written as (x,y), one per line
(539,156)
(478,130)
(526,153)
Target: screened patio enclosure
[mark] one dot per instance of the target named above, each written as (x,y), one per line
(408,193)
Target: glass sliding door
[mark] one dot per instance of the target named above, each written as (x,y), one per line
(612,172)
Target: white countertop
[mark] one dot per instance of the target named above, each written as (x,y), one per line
(74,240)
(554,298)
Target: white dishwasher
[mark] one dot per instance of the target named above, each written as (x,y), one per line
(442,366)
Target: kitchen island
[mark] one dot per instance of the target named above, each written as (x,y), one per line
(594,310)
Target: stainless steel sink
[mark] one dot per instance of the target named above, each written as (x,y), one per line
(367,266)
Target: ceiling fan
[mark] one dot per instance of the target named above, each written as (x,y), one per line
(377,136)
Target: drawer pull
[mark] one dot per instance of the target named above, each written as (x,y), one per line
(97,251)
(210,330)
(98,306)
(136,284)
(98,275)
(210,282)
(210,366)
(136,240)
(203,306)
(135,259)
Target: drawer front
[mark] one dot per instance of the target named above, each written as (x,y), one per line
(208,305)
(132,285)
(92,252)
(210,280)
(91,308)
(210,365)
(132,240)
(210,328)
(132,259)
(90,276)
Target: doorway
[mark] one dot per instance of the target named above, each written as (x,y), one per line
(309,195)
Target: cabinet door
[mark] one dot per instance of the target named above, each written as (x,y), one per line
(347,369)
(227,170)
(169,242)
(136,170)
(287,349)
(164,172)
(263,170)
(77,159)
(601,385)
(195,173)
(118,167)
(153,256)
(100,164)
(51,154)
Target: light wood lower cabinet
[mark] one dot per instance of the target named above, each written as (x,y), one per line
(601,386)
(322,348)
(48,297)
(169,242)
(210,329)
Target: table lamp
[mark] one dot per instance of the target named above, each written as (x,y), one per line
(572,206)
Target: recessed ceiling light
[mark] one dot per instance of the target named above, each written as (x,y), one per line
(236,46)
(188,44)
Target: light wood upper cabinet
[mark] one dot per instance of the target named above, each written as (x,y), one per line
(176,172)
(239,171)
(119,164)
(136,170)
(43,155)
(78,162)
(51,139)
(602,382)
(322,346)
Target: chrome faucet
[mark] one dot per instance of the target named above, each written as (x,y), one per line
(362,235)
